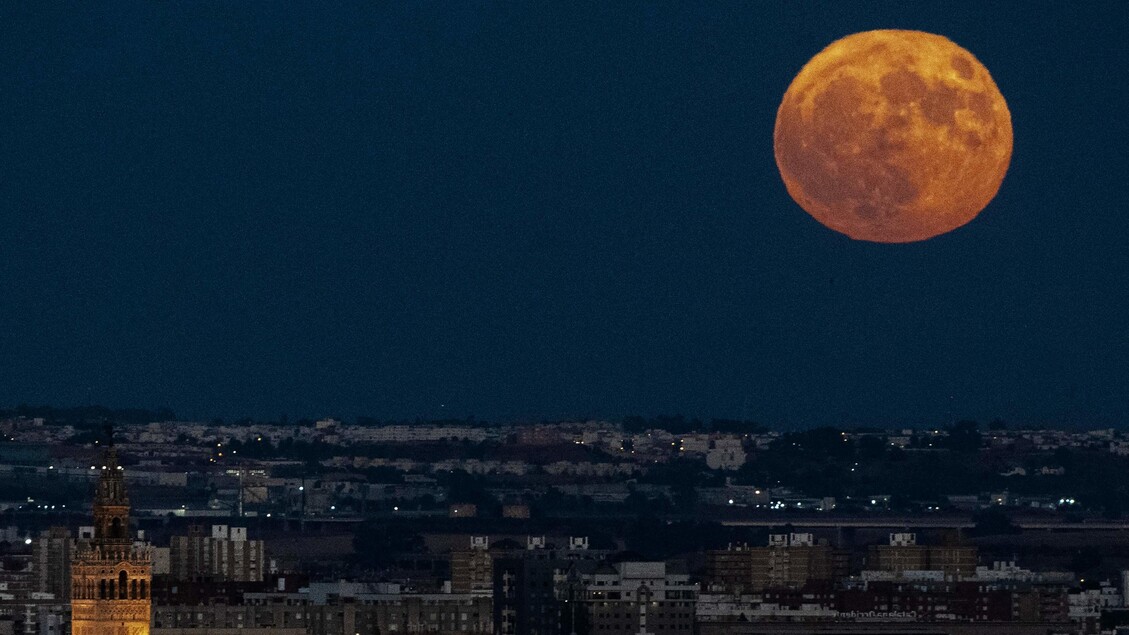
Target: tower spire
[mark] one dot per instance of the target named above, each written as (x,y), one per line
(111,503)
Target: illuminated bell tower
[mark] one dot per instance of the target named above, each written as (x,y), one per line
(110,576)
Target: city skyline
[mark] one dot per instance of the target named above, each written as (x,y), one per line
(331,529)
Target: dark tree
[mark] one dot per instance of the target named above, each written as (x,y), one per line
(992,522)
(964,437)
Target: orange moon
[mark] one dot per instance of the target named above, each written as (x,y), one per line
(893,136)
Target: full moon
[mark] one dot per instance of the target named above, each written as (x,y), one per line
(893,136)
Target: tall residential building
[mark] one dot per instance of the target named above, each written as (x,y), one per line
(904,554)
(790,561)
(51,561)
(472,570)
(110,575)
(640,597)
(532,584)
(224,554)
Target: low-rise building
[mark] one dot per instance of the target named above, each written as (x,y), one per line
(338,609)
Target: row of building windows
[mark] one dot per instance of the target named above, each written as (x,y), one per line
(656,627)
(109,589)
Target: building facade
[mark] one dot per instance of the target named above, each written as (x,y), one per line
(790,561)
(51,557)
(904,554)
(537,590)
(223,554)
(448,613)
(472,570)
(640,598)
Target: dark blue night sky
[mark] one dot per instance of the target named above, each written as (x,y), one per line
(533,210)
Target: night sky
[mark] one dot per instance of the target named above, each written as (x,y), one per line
(533,210)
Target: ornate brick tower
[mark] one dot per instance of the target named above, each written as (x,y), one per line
(110,576)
